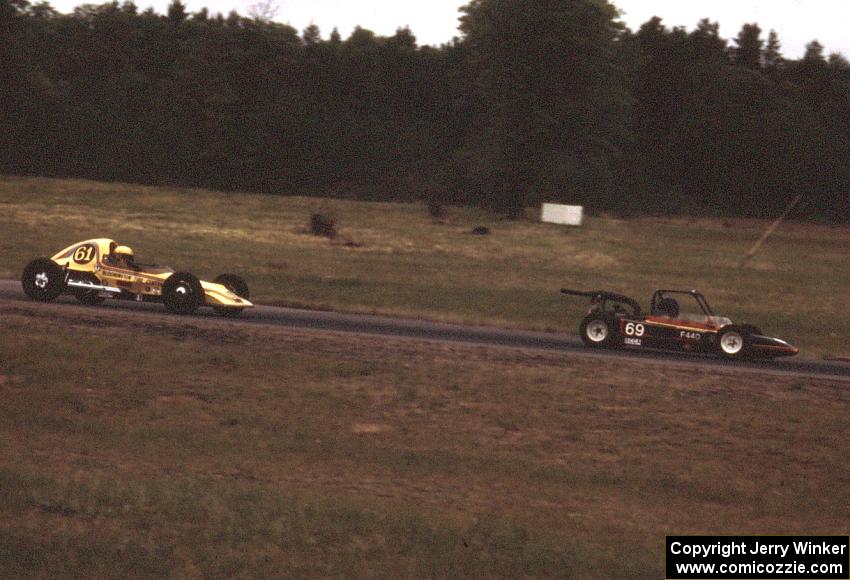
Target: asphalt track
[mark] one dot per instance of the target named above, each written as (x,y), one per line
(423,330)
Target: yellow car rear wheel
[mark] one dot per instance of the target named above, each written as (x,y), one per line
(182,293)
(43,280)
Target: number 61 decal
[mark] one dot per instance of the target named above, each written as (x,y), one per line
(84,254)
(633,329)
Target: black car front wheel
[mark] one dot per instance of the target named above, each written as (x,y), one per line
(733,343)
(43,280)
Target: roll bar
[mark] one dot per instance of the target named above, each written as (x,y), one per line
(700,299)
(603,296)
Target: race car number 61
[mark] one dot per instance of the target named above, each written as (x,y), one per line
(84,254)
(633,329)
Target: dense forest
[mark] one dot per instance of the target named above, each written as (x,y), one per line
(536,100)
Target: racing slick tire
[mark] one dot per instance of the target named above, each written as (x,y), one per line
(88,297)
(236,285)
(43,280)
(598,330)
(182,293)
(733,343)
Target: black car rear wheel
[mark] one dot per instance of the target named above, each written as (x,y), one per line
(182,293)
(598,330)
(43,280)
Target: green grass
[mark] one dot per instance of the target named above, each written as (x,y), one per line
(225,529)
(191,448)
(187,447)
(163,453)
(796,288)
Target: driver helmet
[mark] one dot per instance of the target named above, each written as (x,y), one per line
(124,252)
(667,307)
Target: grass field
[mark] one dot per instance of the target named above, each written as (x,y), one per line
(163,446)
(400,262)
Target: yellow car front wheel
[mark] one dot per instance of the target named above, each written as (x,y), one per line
(236,285)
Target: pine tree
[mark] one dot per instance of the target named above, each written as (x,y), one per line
(311,35)
(177,12)
(772,56)
(335,38)
(814,53)
(707,46)
(748,52)
(553,100)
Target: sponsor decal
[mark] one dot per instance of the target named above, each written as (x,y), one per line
(119,275)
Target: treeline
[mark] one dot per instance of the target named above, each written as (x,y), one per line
(538,100)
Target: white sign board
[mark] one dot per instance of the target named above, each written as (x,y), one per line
(568,215)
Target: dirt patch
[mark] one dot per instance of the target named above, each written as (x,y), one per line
(370,428)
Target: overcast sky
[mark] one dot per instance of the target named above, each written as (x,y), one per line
(435,21)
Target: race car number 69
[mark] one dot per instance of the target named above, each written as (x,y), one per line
(633,329)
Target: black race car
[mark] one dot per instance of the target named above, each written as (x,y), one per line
(615,320)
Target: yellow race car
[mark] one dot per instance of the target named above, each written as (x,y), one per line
(95,270)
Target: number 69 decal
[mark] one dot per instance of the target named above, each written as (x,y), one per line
(633,329)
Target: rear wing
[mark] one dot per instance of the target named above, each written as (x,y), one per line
(603,296)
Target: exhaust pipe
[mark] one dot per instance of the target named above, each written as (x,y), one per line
(91,286)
